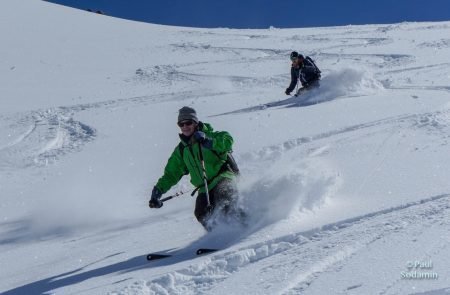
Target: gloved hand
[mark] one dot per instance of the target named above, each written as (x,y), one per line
(201,137)
(287,92)
(155,201)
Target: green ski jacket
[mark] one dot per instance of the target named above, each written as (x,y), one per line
(186,160)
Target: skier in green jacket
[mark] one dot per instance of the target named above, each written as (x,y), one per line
(199,141)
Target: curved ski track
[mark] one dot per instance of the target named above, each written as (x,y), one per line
(304,255)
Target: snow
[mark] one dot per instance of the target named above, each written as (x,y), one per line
(346,186)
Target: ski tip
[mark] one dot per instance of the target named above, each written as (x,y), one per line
(156,256)
(205,250)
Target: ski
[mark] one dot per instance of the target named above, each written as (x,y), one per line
(200,251)
(155,256)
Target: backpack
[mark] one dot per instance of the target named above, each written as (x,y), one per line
(230,163)
(318,72)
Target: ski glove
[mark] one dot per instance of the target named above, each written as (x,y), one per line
(201,137)
(155,201)
(287,91)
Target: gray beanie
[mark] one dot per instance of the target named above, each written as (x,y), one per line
(187,113)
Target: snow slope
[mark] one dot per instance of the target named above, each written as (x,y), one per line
(346,187)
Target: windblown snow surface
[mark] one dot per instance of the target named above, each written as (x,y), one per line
(346,187)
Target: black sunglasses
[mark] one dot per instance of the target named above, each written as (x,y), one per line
(185,123)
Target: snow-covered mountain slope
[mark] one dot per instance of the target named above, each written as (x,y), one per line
(346,187)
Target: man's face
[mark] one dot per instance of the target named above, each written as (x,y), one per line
(187,127)
(297,62)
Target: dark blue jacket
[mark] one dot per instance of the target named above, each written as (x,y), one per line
(308,72)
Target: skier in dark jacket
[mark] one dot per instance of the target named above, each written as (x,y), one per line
(199,141)
(305,70)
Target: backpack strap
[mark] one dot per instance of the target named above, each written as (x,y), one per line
(228,165)
(181,148)
(312,62)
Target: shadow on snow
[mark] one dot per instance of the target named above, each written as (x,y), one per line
(306,99)
(48,285)
(140,262)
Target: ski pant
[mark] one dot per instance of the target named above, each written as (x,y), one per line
(311,85)
(221,197)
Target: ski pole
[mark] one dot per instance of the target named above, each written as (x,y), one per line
(173,196)
(205,181)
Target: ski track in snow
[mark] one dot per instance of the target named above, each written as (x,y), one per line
(318,250)
(167,75)
(47,136)
(304,255)
(324,249)
(436,123)
(59,133)
(39,138)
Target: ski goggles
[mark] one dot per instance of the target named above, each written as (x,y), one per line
(185,123)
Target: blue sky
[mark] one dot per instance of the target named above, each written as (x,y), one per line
(265,13)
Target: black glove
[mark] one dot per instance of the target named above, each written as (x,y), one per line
(200,137)
(155,201)
(287,91)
